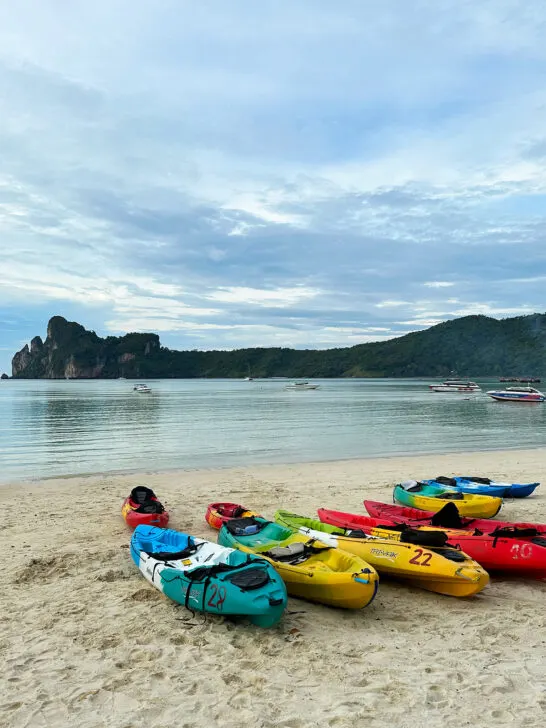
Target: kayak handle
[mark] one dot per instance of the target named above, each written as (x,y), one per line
(358,577)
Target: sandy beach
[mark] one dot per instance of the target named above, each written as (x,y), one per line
(86,641)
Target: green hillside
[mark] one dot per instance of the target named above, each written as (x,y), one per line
(472,346)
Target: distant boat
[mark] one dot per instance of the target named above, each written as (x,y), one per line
(249,379)
(142,388)
(455,385)
(517,394)
(296,386)
(524,380)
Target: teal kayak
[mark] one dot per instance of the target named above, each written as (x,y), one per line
(207,577)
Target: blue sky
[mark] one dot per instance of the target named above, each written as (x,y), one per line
(243,173)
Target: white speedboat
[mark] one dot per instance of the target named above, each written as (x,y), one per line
(297,386)
(142,388)
(455,385)
(517,394)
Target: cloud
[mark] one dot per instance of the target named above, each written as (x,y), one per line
(392,304)
(277,298)
(301,182)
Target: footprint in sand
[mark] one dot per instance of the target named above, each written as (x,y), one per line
(48,569)
(145,595)
(436,696)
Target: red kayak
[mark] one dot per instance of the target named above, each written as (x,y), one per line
(142,507)
(519,551)
(447,517)
(218,513)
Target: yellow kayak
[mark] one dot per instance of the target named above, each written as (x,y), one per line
(427,564)
(310,569)
(428,497)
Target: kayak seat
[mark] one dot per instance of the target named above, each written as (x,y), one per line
(249,579)
(450,496)
(540,541)
(175,555)
(411,486)
(444,480)
(150,507)
(452,555)
(245,526)
(447,517)
(354,533)
(509,532)
(140,494)
(476,479)
(280,552)
(295,553)
(424,538)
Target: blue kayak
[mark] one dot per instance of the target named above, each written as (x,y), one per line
(207,577)
(486,486)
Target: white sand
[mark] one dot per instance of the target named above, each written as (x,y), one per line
(86,642)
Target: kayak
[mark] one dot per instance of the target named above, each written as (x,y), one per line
(433,497)
(206,577)
(142,507)
(518,552)
(447,517)
(219,513)
(419,558)
(311,569)
(486,486)
(462,486)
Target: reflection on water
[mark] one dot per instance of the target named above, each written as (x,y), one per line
(61,427)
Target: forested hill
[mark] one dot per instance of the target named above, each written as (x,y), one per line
(472,346)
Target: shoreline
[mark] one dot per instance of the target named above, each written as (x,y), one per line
(101,647)
(11,482)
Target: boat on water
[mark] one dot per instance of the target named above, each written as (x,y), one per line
(455,385)
(522,380)
(517,394)
(142,388)
(297,386)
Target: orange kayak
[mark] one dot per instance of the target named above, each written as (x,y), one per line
(142,507)
(218,513)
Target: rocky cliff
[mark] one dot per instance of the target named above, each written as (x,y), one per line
(70,351)
(472,345)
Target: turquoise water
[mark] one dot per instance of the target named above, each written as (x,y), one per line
(53,428)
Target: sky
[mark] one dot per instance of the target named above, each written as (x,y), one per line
(296,173)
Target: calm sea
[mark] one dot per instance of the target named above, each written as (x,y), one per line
(50,428)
